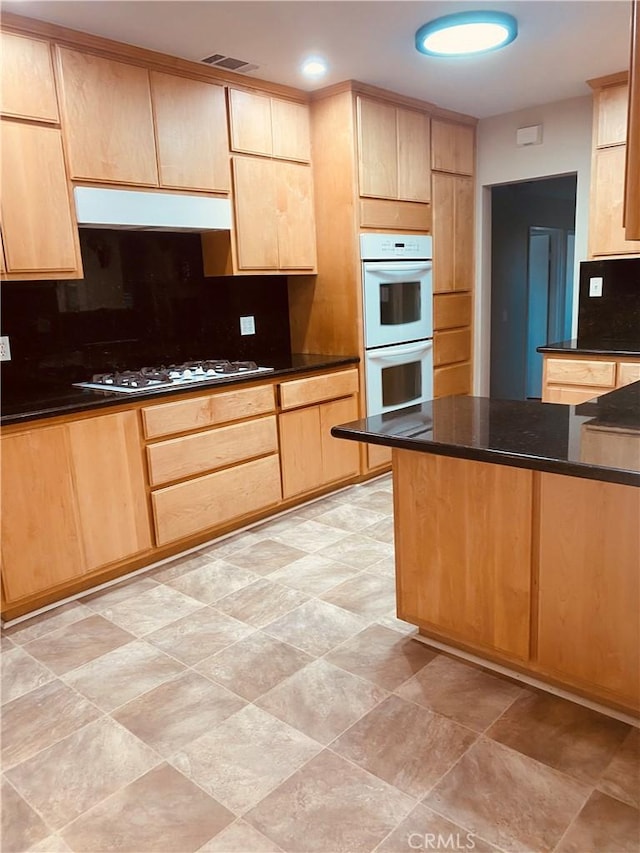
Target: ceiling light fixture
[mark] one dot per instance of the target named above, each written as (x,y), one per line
(466,33)
(314,66)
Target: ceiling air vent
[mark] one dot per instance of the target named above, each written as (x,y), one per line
(228,62)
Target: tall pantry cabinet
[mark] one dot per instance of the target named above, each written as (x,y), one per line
(387,163)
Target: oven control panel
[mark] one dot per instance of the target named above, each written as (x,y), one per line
(378,247)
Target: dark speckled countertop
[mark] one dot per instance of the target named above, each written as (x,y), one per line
(50,400)
(597,440)
(601,347)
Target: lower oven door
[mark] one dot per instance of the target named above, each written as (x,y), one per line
(399,376)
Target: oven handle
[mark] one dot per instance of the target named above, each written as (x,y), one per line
(402,267)
(392,352)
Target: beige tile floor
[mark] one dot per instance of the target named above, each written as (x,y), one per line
(260,695)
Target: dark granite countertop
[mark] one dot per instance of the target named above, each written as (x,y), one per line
(49,400)
(601,347)
(598,440)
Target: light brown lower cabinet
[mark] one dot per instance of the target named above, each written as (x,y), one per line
(574,379)
(537,571)
(589,582)
(463,545)
(188,508)
(310,456)
(73,500)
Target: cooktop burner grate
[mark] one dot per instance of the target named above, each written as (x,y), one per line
(175,375)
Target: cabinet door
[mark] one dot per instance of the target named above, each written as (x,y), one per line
(607,235)
(452,232)
(38,223)
(295,215)
(300,451)
(41,542)
(452,147)
(107,465)
(414,169)
(107,119)
(378,149)
(255,203)
(473,582)
(290,130)
(250,120)
(191,132)
(589,543)
(340,458)
(27,88)
(611,107)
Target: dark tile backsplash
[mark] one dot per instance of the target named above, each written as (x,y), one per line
(614,317)
(144,301)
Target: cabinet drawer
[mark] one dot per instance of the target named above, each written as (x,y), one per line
(569,396)
(452,346)
(184,415)
(315,389)
(214,448)
(566,371)
(451,310)
(206,502)
(451,380)
(628,372)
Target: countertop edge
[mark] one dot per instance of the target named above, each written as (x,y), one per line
(572,347)
(496,457)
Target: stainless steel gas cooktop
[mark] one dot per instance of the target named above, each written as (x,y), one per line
(174,376)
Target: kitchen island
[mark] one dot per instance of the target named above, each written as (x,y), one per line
(517,534)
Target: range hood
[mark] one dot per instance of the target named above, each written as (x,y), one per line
(129,210)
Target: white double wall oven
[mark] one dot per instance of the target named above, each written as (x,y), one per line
(398,320)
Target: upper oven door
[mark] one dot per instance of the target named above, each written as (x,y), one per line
(397,302)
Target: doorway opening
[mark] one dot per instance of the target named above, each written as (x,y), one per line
(532,272)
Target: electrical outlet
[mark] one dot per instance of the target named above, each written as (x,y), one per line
(595,286)
(248,325)
(5,349)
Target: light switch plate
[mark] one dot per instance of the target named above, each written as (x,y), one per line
(5,349)
(248,325)
(595,286)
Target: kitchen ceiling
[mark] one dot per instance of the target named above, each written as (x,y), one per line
(560,45)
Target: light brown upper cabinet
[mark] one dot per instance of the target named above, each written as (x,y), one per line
(107,119)
(632,179)
(273,127)
(452,232)
(393,145)
(275,225)
(191,133)
(27,88)
(607,202)
(452,147)
(38,221)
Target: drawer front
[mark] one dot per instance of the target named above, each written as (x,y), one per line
(451,347)
(214,408)
(210,501)
(451,310)
(569,396)
(214,448)
(315,389)
(628,372)
(567,371)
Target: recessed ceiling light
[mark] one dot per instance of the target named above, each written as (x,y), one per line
(314,66)
(466,33)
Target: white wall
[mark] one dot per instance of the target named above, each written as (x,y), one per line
(565,148)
